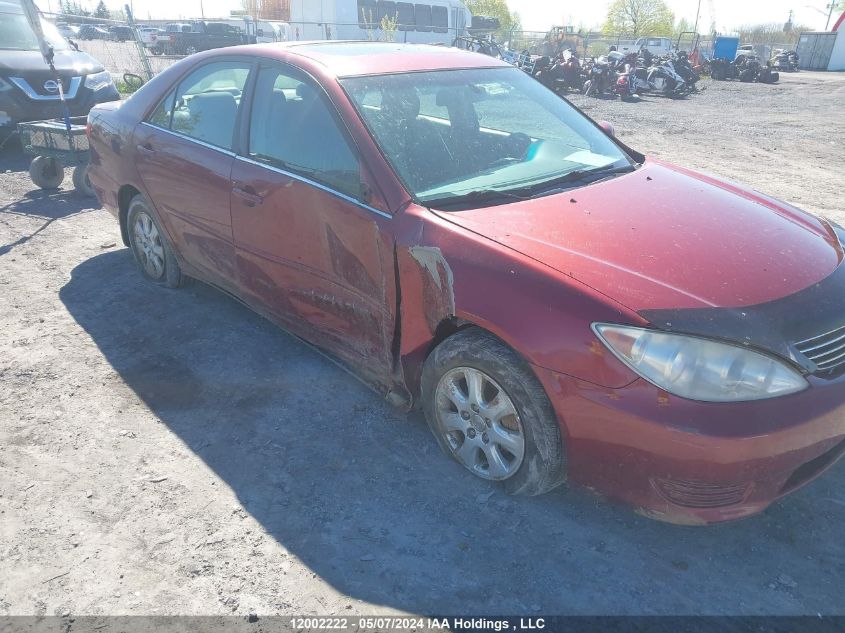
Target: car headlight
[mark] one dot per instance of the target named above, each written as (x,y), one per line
(697,368)
(98,81)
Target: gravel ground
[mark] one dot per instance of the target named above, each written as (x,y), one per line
(169,452)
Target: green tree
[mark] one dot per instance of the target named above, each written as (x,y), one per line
(508,20)
(639,17)
(682,26)
(102,11)
(72,7)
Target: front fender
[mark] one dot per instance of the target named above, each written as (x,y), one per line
(449,274)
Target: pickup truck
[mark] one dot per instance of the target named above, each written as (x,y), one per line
(203,36)
(746,50)
(657,46)
(146,33)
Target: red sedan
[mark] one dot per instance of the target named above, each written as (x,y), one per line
(559,305)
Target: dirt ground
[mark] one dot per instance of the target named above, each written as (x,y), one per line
(169,452)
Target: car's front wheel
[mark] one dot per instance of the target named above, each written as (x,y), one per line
(152,252)
(490,413)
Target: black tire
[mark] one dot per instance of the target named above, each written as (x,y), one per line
(46,173)
(81,181)
(171,273)
(543,465)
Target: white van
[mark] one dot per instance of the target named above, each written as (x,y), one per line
(657,46)
(421,22)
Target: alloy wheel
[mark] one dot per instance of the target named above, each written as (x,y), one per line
(480,423)
(148,245)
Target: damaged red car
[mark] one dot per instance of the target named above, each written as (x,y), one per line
(560,306)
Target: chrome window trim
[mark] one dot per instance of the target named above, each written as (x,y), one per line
(283,172)
(222,150)
(316,184)
(24,85)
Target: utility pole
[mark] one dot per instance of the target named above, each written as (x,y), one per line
(831,7)
(697,15)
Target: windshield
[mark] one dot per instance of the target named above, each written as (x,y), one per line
(16,34)
(455,134)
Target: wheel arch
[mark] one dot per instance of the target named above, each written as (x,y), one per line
(124,197)
(445,329)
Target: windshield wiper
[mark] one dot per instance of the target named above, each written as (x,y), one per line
(579,175)
(548,187)
(477,196)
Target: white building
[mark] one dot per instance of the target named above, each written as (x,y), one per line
(428,22)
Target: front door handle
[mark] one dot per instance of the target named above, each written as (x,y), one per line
(248,195)
(145,149)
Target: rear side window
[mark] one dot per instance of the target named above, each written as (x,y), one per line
(205,104)
(405,11)
(386,9)
(440,19)
(161,115)
(367,14)
(292,127)
(422,13)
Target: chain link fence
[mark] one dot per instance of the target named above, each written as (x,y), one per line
(119,45)
(140,47)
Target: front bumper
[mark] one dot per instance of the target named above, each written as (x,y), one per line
(688,462)
(16,107)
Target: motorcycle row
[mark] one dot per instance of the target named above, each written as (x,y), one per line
(616,74)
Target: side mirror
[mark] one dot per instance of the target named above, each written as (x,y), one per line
(608,128)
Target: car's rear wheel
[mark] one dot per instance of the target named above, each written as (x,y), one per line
(46,172)
(489,412)
(152,252)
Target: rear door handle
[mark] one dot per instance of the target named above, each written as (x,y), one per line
(248,195)
(145,149)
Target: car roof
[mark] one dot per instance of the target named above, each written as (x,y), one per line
(355,58)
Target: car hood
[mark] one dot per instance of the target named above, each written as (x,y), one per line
(663,237)
(21,63)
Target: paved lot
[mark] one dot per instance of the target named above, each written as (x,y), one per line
(170,452)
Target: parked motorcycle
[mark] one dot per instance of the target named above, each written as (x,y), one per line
(749,68)
(598,78)
(659,78)
(681,64)
(784,60)
(560,73)
(626,80)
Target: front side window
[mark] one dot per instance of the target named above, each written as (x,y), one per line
(205,105)
(292,127)
(454,134)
